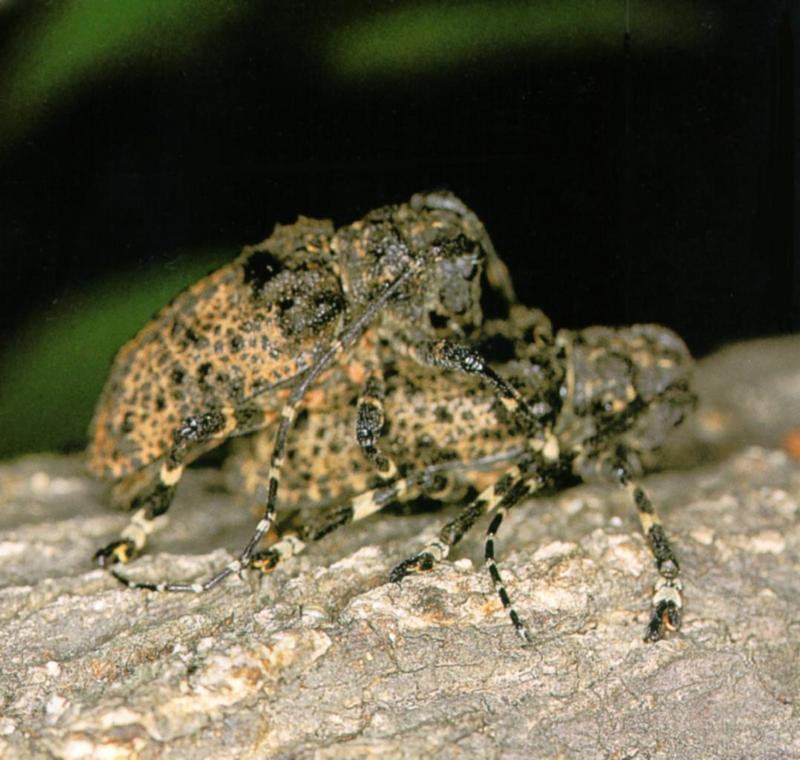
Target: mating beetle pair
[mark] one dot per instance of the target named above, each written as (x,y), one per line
(374,331)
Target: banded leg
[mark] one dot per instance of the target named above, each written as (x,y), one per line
(458,357)
(288,546)
(497,580)
(509,490)
(333,518)
(369,424)
(667,601)
(195,436)
(347,338)
(427,481)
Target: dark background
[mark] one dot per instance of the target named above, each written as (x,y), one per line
(626,172)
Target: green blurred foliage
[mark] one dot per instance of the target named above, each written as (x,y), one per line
(76,41)
(51,377)
(422,38)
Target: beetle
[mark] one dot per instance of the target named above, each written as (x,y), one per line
(606,399)
(244,347)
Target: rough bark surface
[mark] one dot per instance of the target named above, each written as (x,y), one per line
(324,659)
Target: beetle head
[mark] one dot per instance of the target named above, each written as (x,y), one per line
(631,381)
(442,240)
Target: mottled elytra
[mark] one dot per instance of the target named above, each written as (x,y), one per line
(430,417)
(607,398)
(287,321)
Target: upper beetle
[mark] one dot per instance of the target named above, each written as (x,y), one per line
(223,357)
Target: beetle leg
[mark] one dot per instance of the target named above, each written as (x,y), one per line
(195,436)
(667,601)
(458,357)
(513,486)
(369,424)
